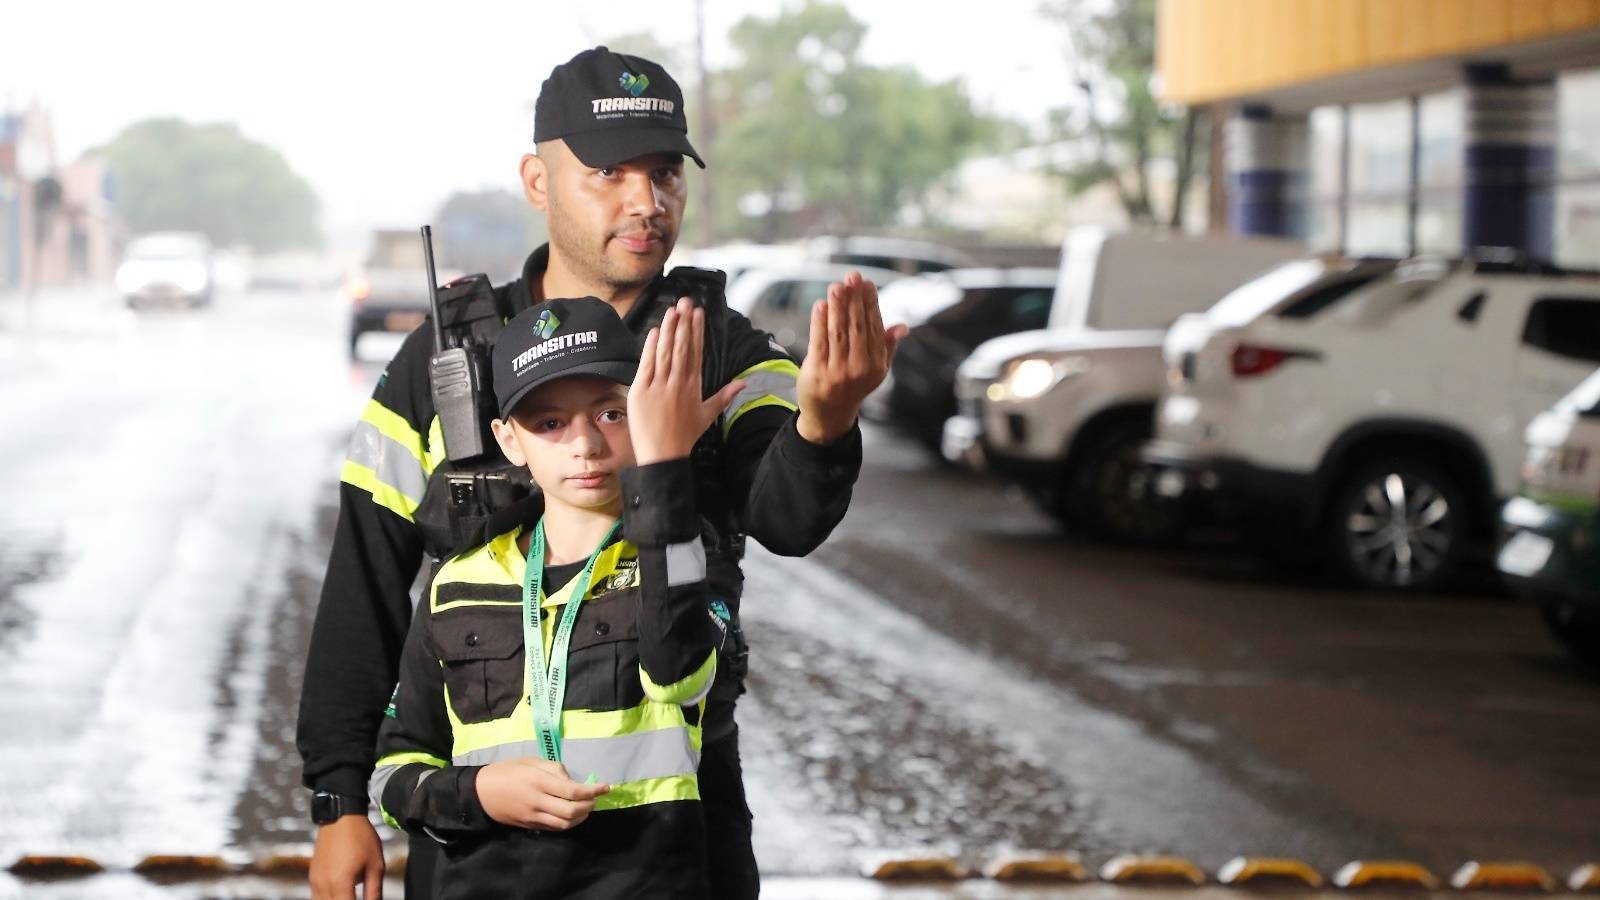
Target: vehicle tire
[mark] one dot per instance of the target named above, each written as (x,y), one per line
(1575,627)
(1396,524)
(1108,492)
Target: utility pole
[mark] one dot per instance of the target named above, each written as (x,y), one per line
(707,128)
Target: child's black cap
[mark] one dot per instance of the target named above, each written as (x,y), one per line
(557,338)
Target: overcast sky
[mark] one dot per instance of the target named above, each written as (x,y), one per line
(388,107)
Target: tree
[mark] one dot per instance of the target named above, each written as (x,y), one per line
(809,137)
(1123,120)
(210,178)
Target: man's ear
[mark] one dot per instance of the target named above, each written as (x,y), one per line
(536,181)
(508,442)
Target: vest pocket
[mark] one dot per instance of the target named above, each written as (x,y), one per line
(603,659)
(481,649)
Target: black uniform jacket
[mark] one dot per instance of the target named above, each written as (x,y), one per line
(791,492)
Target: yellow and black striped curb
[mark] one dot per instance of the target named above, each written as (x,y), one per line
(1015,868)
(1241,871)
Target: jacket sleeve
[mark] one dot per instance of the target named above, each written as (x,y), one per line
(413,783)
(677,630)
(793,492)
(366,603)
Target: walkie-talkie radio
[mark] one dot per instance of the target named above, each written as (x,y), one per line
(475,483)
(456,375)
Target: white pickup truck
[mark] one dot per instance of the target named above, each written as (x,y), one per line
(1064,411)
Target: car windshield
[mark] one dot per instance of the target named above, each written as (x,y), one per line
(1585,399)
(167,246)
(1254,298)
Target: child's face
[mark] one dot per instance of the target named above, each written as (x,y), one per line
(572,434)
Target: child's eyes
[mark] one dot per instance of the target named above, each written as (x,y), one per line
(547,425)
(613,416)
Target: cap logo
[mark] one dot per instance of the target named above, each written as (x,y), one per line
(633,84)
(546,325)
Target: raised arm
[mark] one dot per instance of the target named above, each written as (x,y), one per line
(666,414)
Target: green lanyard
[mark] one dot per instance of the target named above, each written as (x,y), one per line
(547,684)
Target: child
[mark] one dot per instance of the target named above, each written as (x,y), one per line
(573,777)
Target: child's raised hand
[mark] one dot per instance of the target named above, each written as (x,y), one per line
(667,409)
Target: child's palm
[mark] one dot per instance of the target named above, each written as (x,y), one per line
(667,412)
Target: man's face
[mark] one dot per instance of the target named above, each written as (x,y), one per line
(617,225)
(572,434)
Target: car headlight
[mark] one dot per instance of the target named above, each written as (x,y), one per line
(1033,376)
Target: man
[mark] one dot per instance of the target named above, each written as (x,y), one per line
(608,173)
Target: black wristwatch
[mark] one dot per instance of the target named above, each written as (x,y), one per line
(327,808)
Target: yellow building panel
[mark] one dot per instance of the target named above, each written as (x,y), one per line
(1570,14)
(1255,57)
(1529,18)
(1290,24)
(1484,22)
(1217,49)
(1318,50)
(1426,29)
(1346,49)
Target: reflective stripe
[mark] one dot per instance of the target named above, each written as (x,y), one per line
(391,764)
(686,563)
(395,427)
(388,458)
(654,790)
(689,690)
(383,494)
(611,760)
(435,452)
(772,383)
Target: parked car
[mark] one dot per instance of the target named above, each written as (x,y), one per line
(738,258)
(903,255)
(390,293)
(951,313)
(167,267)
(778,299)
(1551,552)
(1381,425)
(1064,411)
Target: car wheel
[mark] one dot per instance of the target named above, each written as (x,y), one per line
(1397,524)
(1110,492)
(1576,627)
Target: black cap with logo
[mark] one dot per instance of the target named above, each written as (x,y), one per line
(610,108)
(557,338)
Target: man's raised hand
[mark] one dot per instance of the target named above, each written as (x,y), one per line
(846,359)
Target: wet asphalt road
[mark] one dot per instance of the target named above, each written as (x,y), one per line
(948,672)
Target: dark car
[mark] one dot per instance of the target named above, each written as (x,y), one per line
(951,313)
(1551,552)
(391,291)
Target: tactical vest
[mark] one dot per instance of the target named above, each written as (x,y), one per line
(467,503)
(612,730)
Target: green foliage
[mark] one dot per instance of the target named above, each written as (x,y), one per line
(810,138)
(172,174)
(1129,127)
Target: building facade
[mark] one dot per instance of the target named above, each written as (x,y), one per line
(1394,127)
